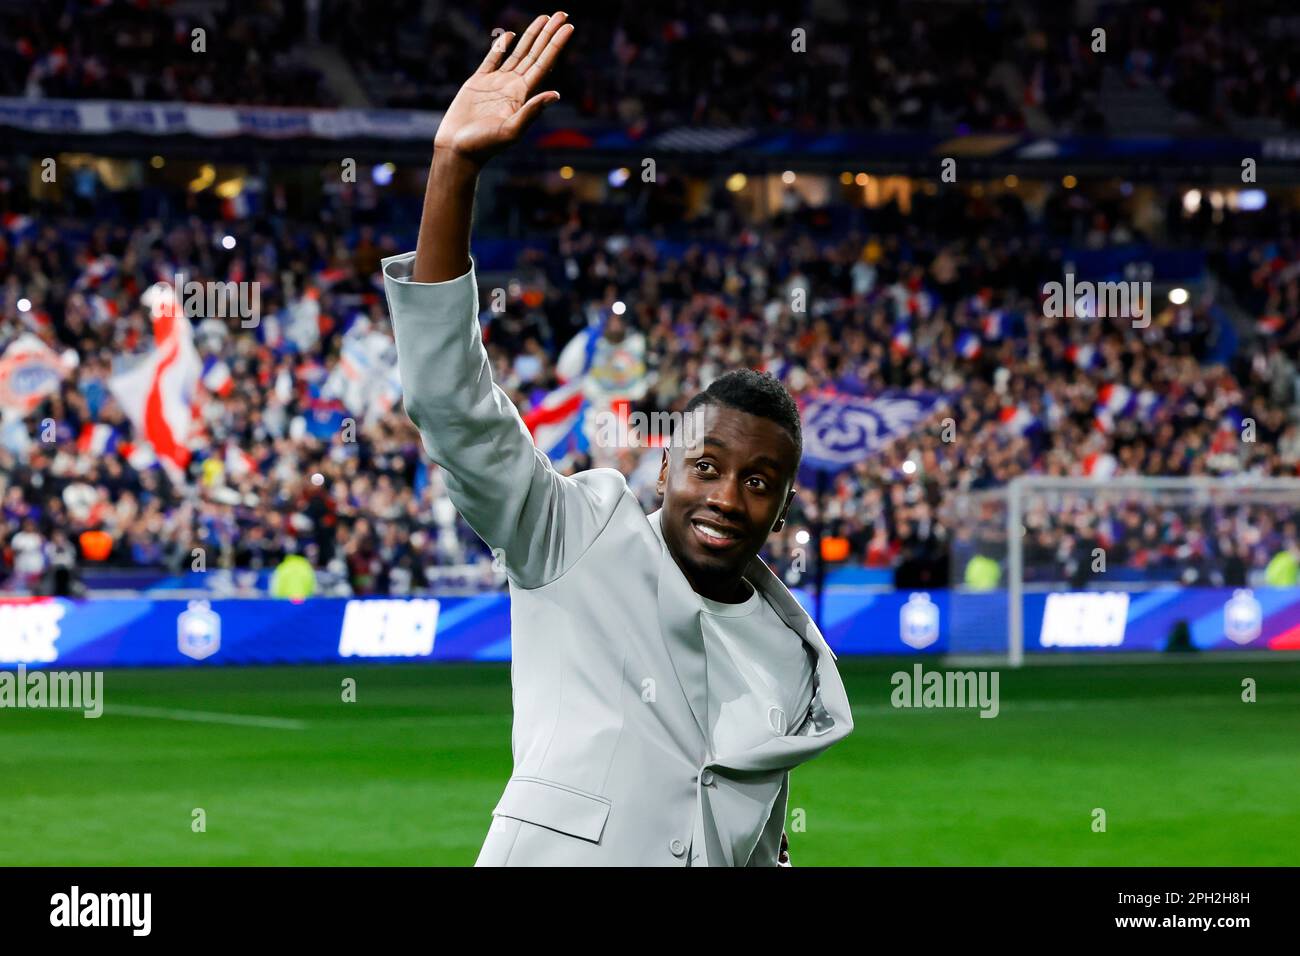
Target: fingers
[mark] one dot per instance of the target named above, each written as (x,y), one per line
(528,113)
(525,43)
(550,46)
(496,51)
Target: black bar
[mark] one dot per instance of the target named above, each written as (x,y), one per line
(984,904)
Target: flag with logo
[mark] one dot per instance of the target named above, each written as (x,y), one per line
(365,378)
(839,430)
(158,392)
(29,371)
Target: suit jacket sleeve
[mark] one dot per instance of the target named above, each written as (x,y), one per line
(503,485)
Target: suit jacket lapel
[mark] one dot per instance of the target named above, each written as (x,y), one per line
(831,715)
(734,795)
(679,617)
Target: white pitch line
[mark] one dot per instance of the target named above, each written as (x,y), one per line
(207,717)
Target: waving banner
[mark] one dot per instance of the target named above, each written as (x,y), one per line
(840,430)
(29,371)
(116,117)
(365,377)
(157,393)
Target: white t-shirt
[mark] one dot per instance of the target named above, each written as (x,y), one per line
(29,552)
(760,677)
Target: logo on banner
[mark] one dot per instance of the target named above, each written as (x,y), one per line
(198,631)
(1243,617)
(918,621)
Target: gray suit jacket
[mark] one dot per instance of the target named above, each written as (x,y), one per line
(611,760)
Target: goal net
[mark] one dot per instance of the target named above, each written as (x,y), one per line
(1046,565)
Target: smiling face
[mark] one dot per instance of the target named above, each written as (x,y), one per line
(724,495)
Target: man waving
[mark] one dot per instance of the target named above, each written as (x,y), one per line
(665,682)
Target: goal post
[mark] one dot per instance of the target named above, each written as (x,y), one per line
(1128,563)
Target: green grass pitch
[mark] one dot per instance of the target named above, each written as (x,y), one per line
(1186,772)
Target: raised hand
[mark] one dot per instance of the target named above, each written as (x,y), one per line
(490,112)
(497,104)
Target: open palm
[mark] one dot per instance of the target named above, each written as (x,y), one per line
(494,107)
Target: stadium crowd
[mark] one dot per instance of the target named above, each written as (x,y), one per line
(889,65)
(235,53)
(1210,64)
(895,303)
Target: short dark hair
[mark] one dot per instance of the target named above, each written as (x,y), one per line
(757,393)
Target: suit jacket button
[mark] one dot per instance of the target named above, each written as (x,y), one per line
(706,778)
(678,847)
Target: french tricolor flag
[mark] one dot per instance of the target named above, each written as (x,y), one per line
(138,455)
(216,376)
(968,345)
(1019,420)
(18,226)
(96,439)
(901,341)
(1083,356)
(105,309)
(100,269)
(995,325)
(236,207)
(1100,465)
(1114,399)
(556,422)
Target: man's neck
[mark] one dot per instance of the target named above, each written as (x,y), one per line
(737,591)
(733,590)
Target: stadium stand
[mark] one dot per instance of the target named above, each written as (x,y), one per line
(898,303)
(924,65)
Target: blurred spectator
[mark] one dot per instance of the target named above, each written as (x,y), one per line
(293,578)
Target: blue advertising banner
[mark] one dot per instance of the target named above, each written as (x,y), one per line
(159,632)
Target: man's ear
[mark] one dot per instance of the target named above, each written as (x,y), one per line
(780,522)
(663,475)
